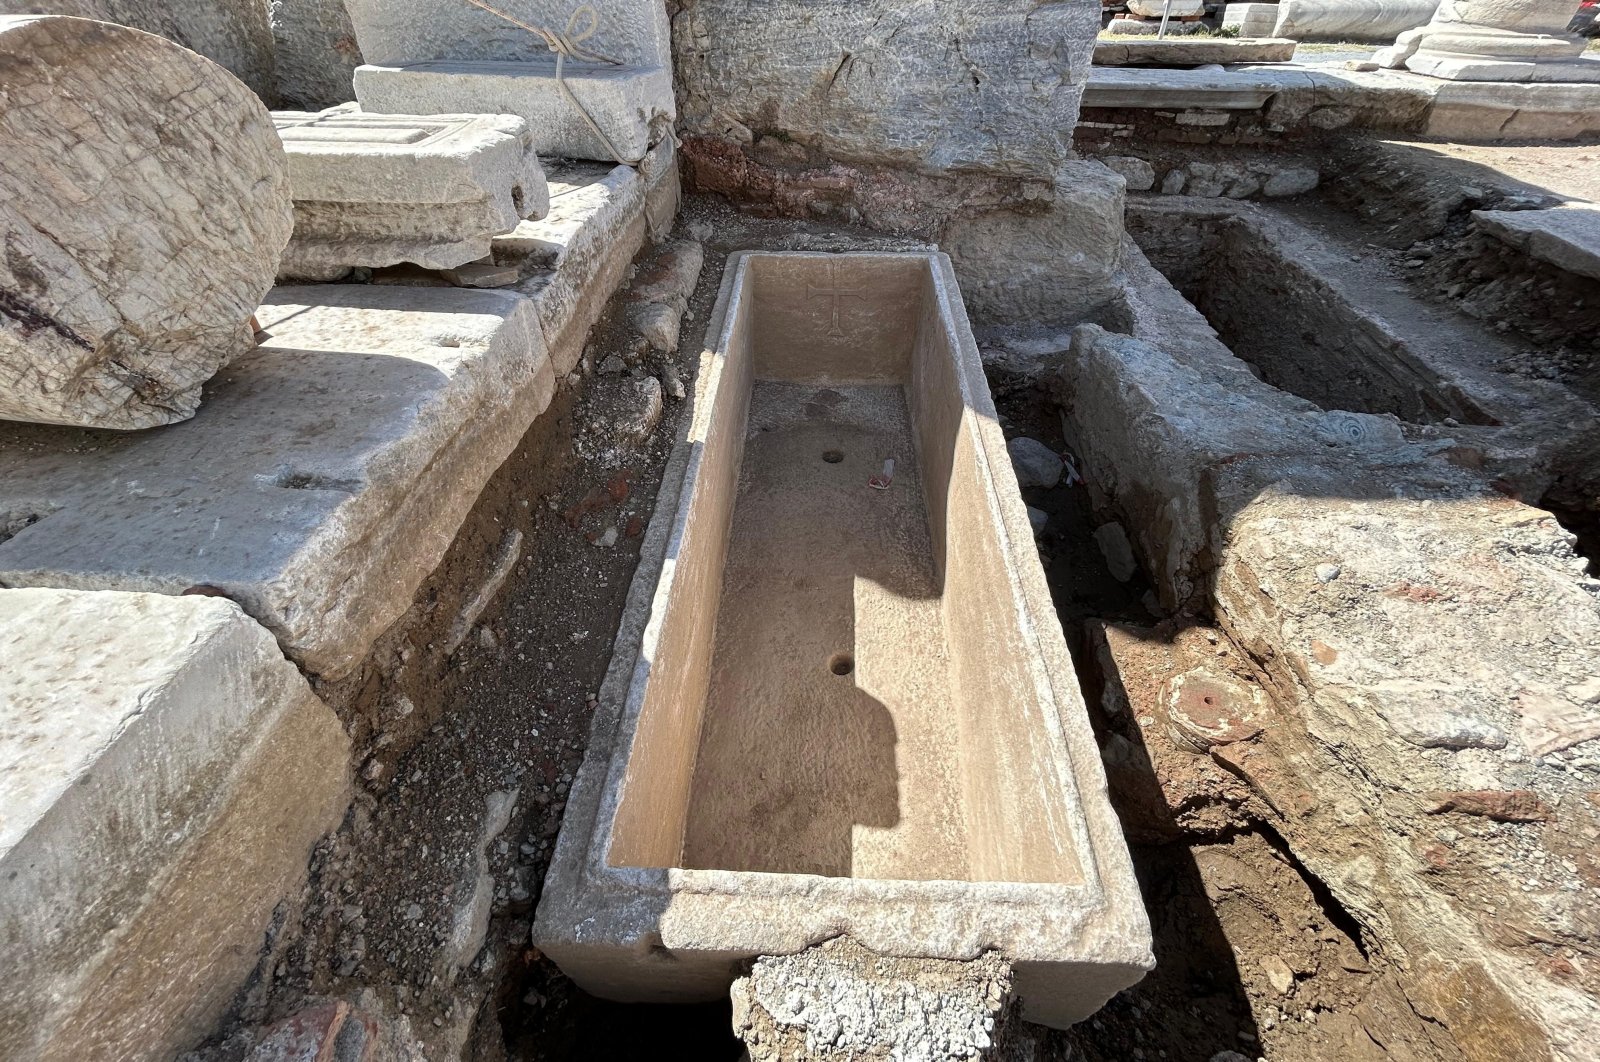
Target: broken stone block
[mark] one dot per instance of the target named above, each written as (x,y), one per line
(380,189)
(164,773)
(1035,464)
(659,300)
(797,737)
(130,271)
(840,1001)
(1567,237)
(448,56)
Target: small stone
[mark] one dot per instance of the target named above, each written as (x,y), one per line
(1113,543)
(1036,464)
(1173,182)
(1327,573)
(673,383)
(612,366)
(1278,974)
(1038,518)
(413,912)
(607,539)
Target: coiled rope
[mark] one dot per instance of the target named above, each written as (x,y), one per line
(570,44)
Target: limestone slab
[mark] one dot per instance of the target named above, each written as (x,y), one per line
(1474,110)
(765,778)
(1117,87)
(630,105)
(164,772)
(599,219)
(325,479)
(380,189)
(1251,20)
(131,270)
(1196,51)
(1566,237)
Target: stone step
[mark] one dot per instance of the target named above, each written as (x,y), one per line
(381,189)
(329,469)
(164,773)
(629,104)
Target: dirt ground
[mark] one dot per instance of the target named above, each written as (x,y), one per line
(1569,170)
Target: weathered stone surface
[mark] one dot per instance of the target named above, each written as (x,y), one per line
(321,513)
(992,87)
(232,33)
(1159,8)
(1049,263)
(1428,641)
(380,189)
(447,56)
(164,772)
(1196,51)
(315,53)
(1035,464)
(1350,20)
(840,1001)
(634,33)
(631,105)
(1566,237)
(131,272)
(1494,40)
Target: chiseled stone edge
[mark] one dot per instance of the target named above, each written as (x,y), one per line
(134,906)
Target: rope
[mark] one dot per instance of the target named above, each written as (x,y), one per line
(570,44)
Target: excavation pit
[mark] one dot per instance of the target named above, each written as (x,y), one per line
(841,702)
(1277,311)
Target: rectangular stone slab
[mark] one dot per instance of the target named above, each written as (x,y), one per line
(837,709)
(320,483)
(626,102)
(380,189)
(164,772)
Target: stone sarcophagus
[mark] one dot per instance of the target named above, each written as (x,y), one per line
(840,701)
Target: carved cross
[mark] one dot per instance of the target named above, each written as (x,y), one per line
(835,292)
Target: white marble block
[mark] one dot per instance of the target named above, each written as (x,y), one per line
(436,56)
(380,189)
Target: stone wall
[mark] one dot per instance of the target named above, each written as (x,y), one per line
(234,33)
(947,123)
